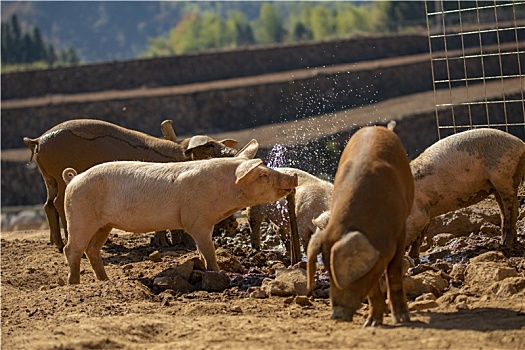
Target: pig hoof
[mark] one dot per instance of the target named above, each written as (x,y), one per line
(371,322)
(341,317)
(403,317)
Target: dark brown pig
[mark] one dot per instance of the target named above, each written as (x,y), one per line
(365,233)
(83,143)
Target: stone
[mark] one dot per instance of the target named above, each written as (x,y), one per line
(442,239)
(493,256)
(481,275)
(185,269)
(277,288)
(257,293)
(422,305)
(177,284)
(426,282)
(303,301)
(426,297)
(215,281)
(296,278)
(196,277)
(463,222)
(508,287)
(155,256)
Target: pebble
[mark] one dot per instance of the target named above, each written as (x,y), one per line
(155,256)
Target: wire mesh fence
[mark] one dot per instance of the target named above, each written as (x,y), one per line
(477,54)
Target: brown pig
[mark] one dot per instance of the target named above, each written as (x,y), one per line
(144,197)
(365,233)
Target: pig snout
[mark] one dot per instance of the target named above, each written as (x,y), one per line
(342,313)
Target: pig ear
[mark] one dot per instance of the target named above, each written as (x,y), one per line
(322,220)
(314,249)
(245,167)
(352,257)
(229,143)
(248,151)
(167,130)
(197,141)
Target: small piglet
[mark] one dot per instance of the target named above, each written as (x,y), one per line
(365,232)
(461,170)
(144,197)
(312,198)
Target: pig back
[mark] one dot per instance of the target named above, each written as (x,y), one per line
(81,144)
(373,187)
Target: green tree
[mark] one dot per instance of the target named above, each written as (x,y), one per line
(321,22)
(395,15)
(271,29)
(20,47)
(238,29)
(350,19)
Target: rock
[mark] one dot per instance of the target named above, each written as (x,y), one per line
(289,300)
(155,256)
(508,287)
(479,276)
(215,281)
(321,293)
(462,306)
(296,278)
(303,301)
(426,282)
(229,263)
(185,269)
(277,288)
(493,256)
(442,239)
(443,266)
(177,284)
(27,220)
(426,297)
(196,277)
(422,305)
(236,309)
(464,221)
(458,271)
(257,293)
(198,264)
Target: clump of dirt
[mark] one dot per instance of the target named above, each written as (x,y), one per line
(465,291)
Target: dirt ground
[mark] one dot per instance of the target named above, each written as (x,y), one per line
(40,311)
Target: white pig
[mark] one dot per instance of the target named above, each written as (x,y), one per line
(461,170)
(144,197)
(312,197)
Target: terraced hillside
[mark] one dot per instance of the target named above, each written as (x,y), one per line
(311,110)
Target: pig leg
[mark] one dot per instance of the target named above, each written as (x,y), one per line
(396,293)
(416,245)
(202,237)
(52,214)
(93,252)
(59,205)
(376,302)
(75,247)
(508,206)
(255,219)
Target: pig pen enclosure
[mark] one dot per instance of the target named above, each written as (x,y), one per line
(466,292)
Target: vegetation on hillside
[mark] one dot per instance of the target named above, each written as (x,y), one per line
(117,30)
(27,48)
(286,22)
